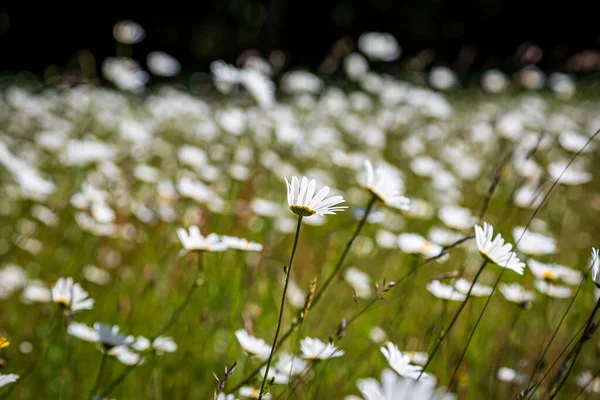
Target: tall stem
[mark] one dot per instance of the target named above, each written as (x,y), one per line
(340,261)
(319,294)
(170,322)
(585,336)
(288,271)
(447,330)
(99,375)
(476,325)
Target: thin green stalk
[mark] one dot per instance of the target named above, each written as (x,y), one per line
(170,322)
(585,336)
(447,330)
(340,261)
(288,271)
(319,294)
(541,357)
(99,375)
(476,325)
(503,351)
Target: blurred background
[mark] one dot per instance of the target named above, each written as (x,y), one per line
(466,35)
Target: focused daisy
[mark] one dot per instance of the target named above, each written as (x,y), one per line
(192,239)
(71,295)
(387,187)
(496,250)
(314,349)
(303,201)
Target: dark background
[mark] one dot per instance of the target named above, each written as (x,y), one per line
(464,34)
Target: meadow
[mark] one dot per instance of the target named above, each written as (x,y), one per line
(169,208)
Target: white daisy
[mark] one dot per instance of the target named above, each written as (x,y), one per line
(456,217)
(252,345)
(595,265)
(360,281)
(552,272)
(5,379)
(445,292)
(108,336)
(303,201)
(393,387)
(314,349)
(515,293)
(413,243)
(240,243)
(533,243)
(496,250)
(386,185)
(195,241)
(71,295)
(463,286)
(551,290)
(400,362)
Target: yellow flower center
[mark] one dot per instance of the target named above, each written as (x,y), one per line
(63,301)
(549,275)
(426,246)
(303,211)
(3,342)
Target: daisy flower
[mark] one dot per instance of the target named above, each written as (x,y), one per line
(595,267)
(314,349)
(393,387)
(5,379)
(240,243)
(400,362)
(533,243)
(303,201)
(71,295)
(496,250)
(252,345)
(515,293)
(463,286)
(551,290)
(445,292)
(193,240)
(387,187)
(108,336)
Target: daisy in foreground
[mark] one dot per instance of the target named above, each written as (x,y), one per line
(496,251)
(303,201)
(393,387)
(386,187)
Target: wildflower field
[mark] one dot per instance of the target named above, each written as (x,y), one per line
(400,237)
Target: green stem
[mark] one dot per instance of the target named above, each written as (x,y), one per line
(99,375)
(171,321)
(585,336)
(287,281)
(319,294)
(476,325)
(447,330)
(340,261)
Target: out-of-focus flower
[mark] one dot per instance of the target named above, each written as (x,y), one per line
(386,185)
(71,295)
(379,46)
(252,345)
(162,64)
(314,349)
(128,32)
(192,239)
